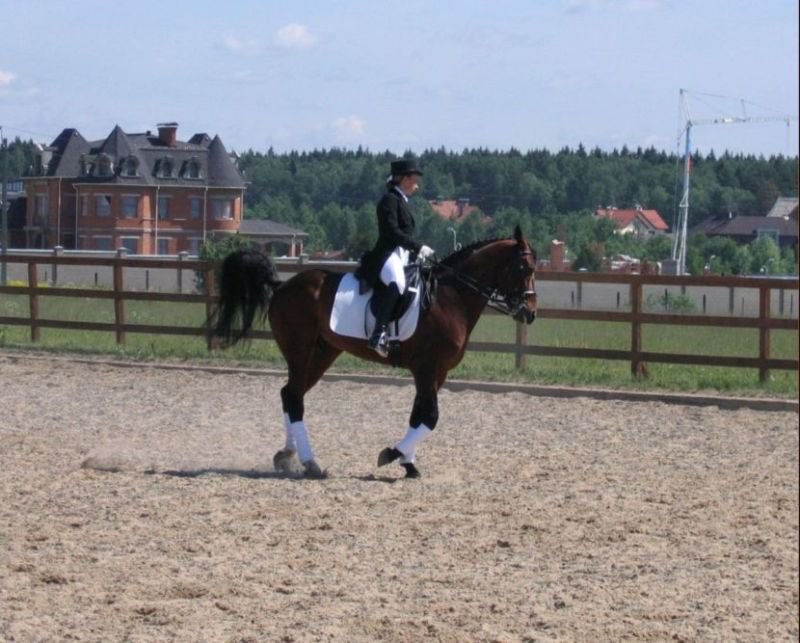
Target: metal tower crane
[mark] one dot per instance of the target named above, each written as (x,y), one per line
(679,232)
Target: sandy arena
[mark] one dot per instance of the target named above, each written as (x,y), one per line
(139,504)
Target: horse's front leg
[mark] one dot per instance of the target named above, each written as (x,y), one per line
(424,416)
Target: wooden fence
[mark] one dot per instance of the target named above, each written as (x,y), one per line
(636,317)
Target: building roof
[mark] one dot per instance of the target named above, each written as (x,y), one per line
(785,206)
(624,217)
(451,209)
(201,161)
(740,226)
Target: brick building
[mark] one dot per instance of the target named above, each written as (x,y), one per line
(151,194)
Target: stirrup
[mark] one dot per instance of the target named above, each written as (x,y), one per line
(379,344)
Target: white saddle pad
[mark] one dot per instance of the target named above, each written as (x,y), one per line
(351,316)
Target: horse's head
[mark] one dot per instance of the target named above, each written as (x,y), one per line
(516,281)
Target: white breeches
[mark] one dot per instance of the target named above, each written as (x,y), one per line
(393,270)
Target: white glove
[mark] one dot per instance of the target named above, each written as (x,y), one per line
(425,252)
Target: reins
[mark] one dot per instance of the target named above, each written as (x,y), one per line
(494,298)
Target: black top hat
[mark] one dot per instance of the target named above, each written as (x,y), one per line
(403,167)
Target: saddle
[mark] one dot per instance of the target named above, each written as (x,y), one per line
(352,314)
(418,277)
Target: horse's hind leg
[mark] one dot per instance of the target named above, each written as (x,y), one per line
(303,374)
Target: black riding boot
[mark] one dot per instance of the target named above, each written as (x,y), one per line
(383,310)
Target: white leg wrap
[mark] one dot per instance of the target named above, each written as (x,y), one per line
(291,445)
(408,445)
(300,435)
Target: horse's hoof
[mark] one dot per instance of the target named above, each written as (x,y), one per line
(411,470)
(312,471)
(282,460)
(388,455)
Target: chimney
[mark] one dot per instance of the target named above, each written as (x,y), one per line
(556,255)
(168,134)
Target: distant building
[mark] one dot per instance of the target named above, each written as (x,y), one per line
(785,206)
(637,221)
(149,193)
(453,210)
(744,230)
(15,211)
(274,237)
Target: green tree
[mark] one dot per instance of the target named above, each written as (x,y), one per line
(216,251)
(766,256)
(589,257)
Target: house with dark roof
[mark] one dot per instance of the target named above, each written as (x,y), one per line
(151,194)
(743,230)
(636,221)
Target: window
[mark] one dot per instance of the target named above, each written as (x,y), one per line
(84,205)
(131,166)
(222,209)
(194,245)
(102,243)
(163,245)
(165,168)
(767,232)
(193,171)
(42,204)
(104,165)
(131,244)
(102,205)
(163,207)
(130,206)
(196,204)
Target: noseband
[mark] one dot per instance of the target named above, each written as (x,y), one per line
(509,303)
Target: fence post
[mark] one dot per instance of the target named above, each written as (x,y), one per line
(211,341)
(33,282)
(181,256)
(57,250)
(119,302)
(521,359)
(763,332)
(637,366)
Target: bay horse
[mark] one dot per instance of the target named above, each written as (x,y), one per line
(495,272)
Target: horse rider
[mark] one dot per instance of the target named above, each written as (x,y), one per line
(394,249)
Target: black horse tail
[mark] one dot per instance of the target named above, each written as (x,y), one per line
(247,281)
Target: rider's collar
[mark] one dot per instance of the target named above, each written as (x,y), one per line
(401,193)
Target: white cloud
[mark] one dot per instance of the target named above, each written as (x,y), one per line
(241,45)
(6,78)
(294,37)
(349,126)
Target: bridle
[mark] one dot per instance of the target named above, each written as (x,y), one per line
(511,303)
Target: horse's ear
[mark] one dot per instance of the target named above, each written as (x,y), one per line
(518,235)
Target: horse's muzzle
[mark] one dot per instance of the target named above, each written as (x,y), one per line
(524,314)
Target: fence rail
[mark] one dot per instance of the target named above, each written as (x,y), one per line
(636,317)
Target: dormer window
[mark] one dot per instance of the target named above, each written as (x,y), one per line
(86,166)
(131,166)
(104,165)
(165,168)
(193,169)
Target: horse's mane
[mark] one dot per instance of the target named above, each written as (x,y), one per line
(462,253)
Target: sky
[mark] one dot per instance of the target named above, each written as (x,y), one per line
(410,75)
